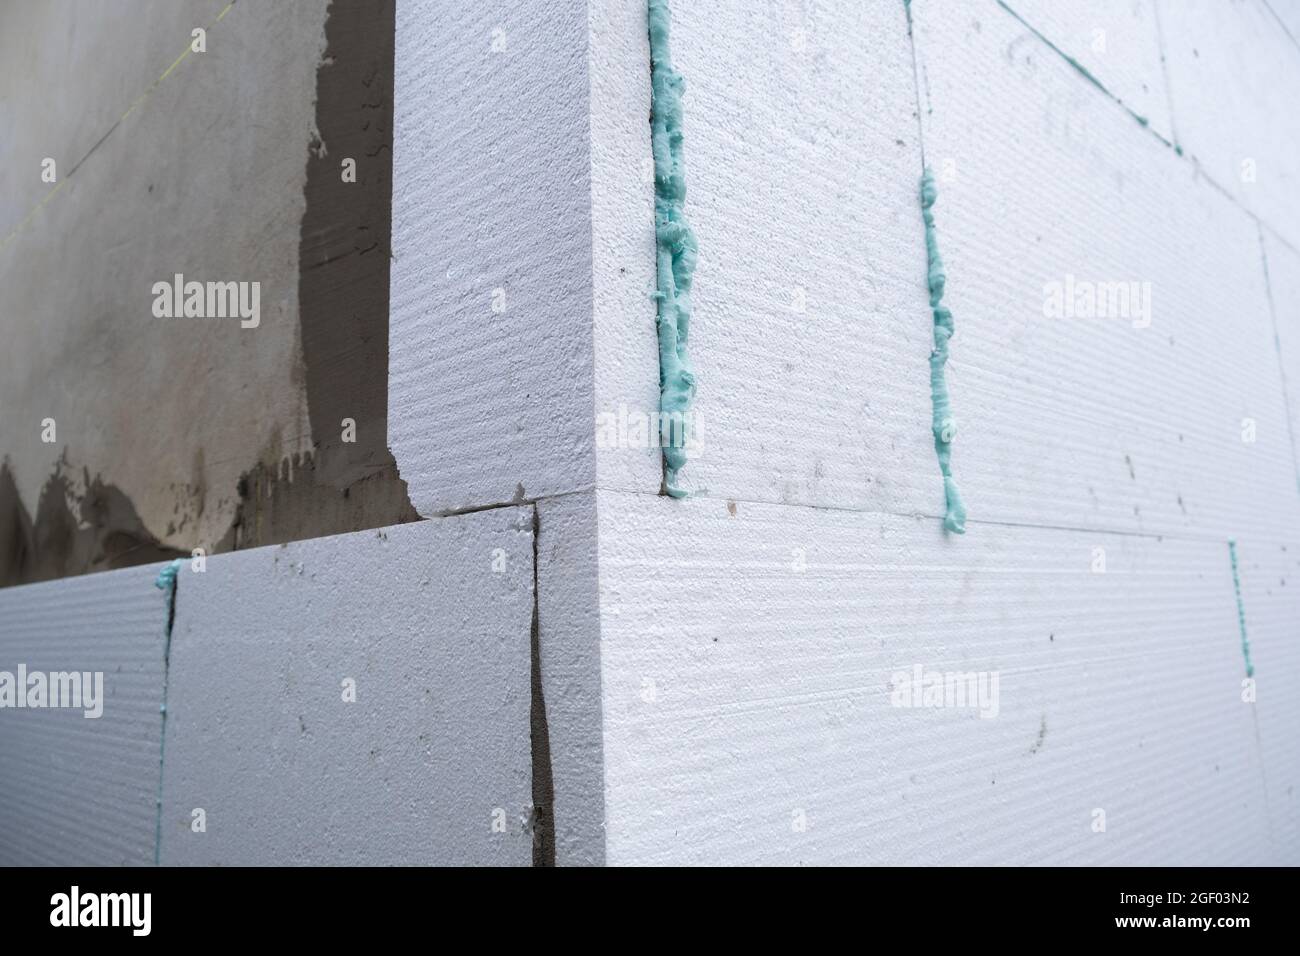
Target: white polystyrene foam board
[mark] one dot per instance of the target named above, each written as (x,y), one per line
(78,791)
(1116,41)
(1108,421)
(1234,79)
(746,667)
(490,331)
(433,751)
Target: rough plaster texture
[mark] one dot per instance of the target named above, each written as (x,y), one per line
(491,391)
(205,177)
(258,734)
(78,791)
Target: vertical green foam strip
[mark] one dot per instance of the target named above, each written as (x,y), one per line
(1241,609)
(943,425)
(676,248)
(166,583)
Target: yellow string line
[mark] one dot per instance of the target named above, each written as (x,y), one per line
(139,99)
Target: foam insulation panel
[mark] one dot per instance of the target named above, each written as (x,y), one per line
(719,673)
(1116,41)
(490,363)
(1102,420)
(1270,594)
(569,608)
(76,791)
(747,703)
(1234,79)
(435,748)
(812,331)
(1283,265)
(623,238)
(1287,13)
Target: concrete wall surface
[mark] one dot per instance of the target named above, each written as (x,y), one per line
(162,194)
(127,436)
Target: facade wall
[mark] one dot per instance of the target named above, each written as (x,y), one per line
(752,636)
(719,679)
